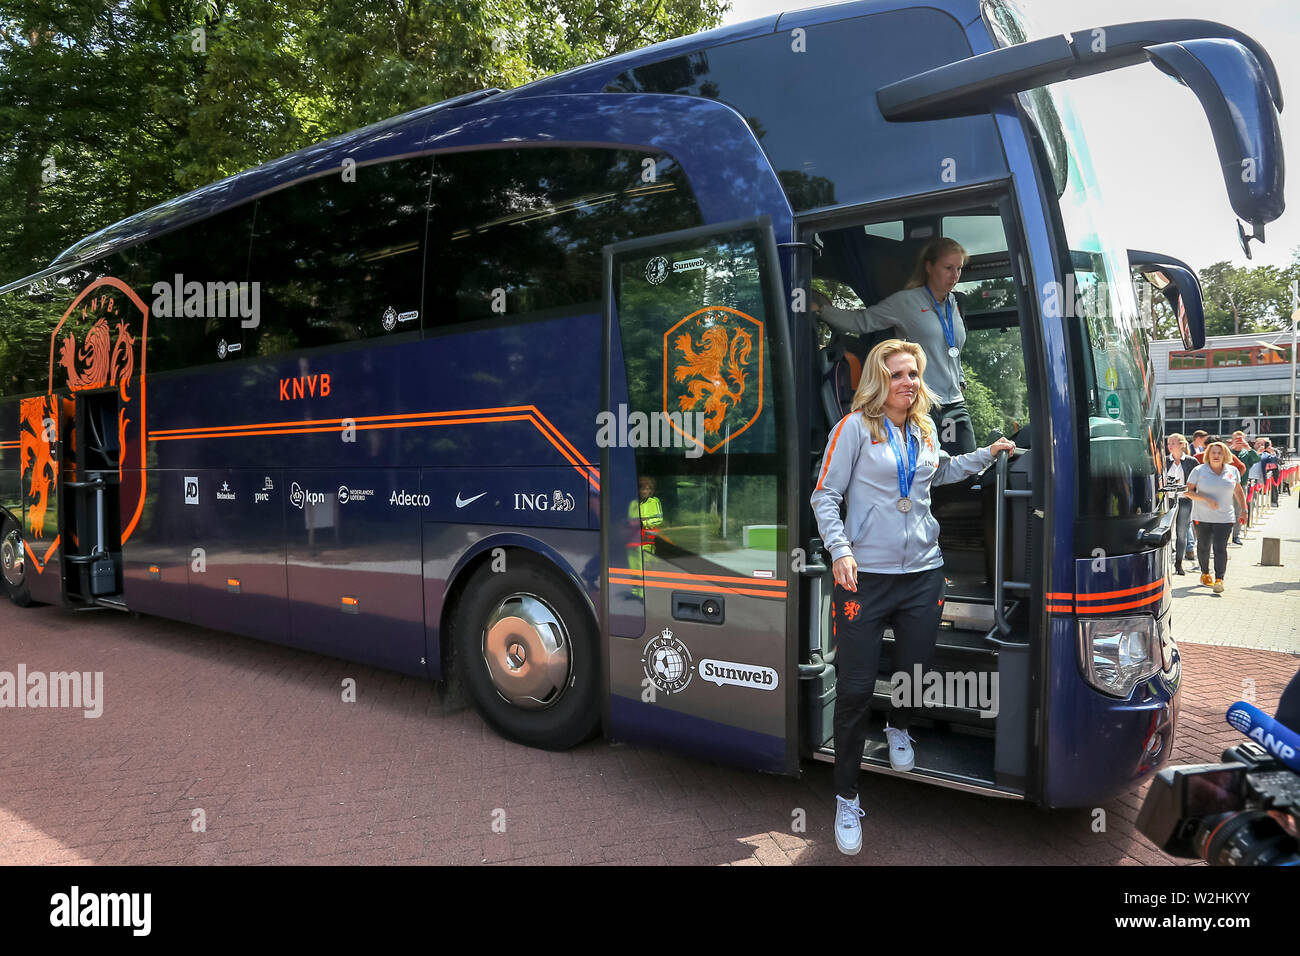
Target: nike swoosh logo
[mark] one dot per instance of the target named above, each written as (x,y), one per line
(467,501)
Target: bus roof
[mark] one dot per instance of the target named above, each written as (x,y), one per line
(400,135)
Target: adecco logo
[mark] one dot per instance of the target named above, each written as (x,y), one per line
(404,499)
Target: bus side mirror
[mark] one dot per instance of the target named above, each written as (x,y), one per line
(1181,289)
(1233,90)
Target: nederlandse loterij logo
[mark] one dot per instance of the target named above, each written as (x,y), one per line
(667,662)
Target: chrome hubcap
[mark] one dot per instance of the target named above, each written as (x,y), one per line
(526,649)
(11,558)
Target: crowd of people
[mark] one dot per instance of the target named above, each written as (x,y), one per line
(1216,481)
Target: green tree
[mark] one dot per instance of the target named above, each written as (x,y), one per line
(108,107)
(1254,299)
(982,405)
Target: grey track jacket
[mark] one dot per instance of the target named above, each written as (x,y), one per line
(882,539)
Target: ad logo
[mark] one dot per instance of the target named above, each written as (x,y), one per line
(191,490)
(462,502)
(390,319)
(667,663)
(296,495)
(556,501)
(741,675)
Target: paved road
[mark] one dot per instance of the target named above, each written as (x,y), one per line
(258,738)
(1260,607)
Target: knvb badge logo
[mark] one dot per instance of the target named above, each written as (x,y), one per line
(713,363)
(667,662)
(656,270)
(100,342)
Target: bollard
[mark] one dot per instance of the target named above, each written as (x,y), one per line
(1270,555)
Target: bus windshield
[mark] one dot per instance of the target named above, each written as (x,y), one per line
(1114,385)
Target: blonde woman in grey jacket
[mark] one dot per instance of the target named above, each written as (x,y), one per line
(882,459)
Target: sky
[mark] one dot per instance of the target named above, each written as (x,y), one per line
(1150,141)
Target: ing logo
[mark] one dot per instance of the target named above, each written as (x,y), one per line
(713,363)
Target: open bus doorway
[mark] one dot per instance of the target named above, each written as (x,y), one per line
(974,700)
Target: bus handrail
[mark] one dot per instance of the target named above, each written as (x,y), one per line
(1000,584)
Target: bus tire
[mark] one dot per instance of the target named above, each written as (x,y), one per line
(527,655)
(13,566)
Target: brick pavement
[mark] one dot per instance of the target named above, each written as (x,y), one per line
(258,738)
(1260,607)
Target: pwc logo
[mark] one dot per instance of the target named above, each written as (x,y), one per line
(305,386)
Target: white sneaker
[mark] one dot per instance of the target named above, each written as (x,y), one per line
(848,828)
(901,756)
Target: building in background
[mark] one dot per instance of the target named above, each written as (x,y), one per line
(1235,382)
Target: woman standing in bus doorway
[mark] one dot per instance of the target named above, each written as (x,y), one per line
(882,459)
(924,311)
(1178,466)
(1214,488)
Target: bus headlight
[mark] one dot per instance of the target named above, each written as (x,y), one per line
(1118,653)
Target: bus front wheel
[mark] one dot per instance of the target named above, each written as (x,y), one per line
(527,657)
(13,563)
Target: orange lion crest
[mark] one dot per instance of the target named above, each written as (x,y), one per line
(717,361)
(102,365)
(35,442)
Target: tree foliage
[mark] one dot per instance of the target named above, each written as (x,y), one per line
(1237,299)
(110,106)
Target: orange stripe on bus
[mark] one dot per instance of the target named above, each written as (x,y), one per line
(1101,595)
(1059,595)
(1101,608)
(830,451)
(411,420)
(37,562)
(1062,608)
(363,418)
(668,586)
(700,577)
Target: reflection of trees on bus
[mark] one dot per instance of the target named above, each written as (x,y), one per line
(714,501)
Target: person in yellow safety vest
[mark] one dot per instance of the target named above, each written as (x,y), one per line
(647,513)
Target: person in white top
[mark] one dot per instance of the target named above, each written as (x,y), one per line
(925,312)
(1179,466)
(1214,487)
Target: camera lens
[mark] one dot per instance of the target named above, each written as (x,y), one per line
(1245,838)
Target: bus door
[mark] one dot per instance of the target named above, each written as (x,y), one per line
(697,446)
(90,505)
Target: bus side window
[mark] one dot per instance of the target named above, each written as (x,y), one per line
(517,232)
(339,259)
(209,252)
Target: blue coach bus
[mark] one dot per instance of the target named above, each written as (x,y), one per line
(519,389)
